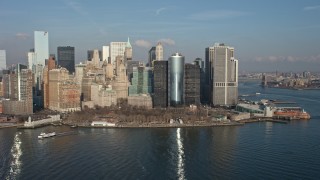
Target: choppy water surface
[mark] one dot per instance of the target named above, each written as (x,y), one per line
(253,151)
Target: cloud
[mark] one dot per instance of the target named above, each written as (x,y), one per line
(158,11)
(75,6)
(22,36)
(218,14)
(167,41)
(310,8)
(142,43)
(288,59)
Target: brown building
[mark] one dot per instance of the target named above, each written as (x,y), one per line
(46,91)
(64,93)
(1,89)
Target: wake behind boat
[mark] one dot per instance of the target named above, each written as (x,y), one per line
(46,135)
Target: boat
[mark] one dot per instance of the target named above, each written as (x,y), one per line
(46,135)
(257,93)
(292,113)
(73,126)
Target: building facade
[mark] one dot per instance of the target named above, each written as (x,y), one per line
(160,84)
(192,84)
(223,74)
(176,80)
(130,65)
(117,49)
(95,58)
(141,82)
(31,58)
(21,96)
(120,84)
(151,56)
(3,60)
(64,92)
(105,53)
(203,90)
(41,47)
(159,51)
(46,90)
(66,58)
(103,95)
(142,100)
(128,52)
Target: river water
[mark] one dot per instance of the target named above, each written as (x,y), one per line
(255,151)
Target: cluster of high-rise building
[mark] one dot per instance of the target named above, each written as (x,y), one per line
(111,76)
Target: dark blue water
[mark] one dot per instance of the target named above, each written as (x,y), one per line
(253,151)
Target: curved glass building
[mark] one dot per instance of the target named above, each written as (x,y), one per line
(176,80)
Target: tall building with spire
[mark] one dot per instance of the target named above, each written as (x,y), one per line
(223,74)
(128,52)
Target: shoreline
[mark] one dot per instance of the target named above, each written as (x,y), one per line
(293,88)
(135,126)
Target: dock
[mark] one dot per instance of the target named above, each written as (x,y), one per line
(262,119)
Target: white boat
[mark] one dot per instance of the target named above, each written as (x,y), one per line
(46,135)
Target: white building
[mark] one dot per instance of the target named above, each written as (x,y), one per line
(3,60)
(31,59)
(41,46)
(117,49)
(105,53)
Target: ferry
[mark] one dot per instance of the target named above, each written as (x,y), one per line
(292,113)
(46,135)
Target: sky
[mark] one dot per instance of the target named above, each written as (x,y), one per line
(282,35)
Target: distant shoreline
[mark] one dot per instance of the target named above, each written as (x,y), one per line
(293,88)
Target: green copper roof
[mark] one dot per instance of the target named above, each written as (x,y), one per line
(128,44)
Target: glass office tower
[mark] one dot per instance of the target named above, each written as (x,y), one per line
(41,46)
(176,80)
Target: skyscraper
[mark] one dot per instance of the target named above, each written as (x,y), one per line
(105,53)
(117,49)
(31,59)
(128,52)
(141,82)
(41,47)
(94,57)
(192,84)
(3,60)
(160,84)
(66,58)
(20,91)
(46,91)
(200,63)
(176,80)
(64,93)
(159,51)
(90,54)
(152,56)
(224,74)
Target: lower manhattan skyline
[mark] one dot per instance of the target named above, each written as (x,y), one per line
(267,36)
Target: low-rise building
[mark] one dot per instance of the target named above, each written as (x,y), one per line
(142,100)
